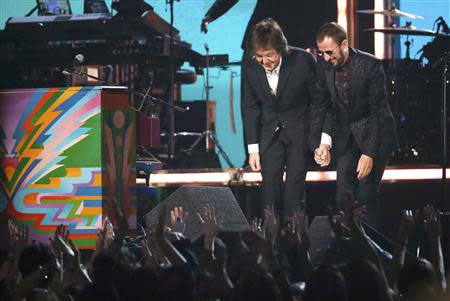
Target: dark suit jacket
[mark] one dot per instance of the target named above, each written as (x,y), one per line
(262,112)
(367,117)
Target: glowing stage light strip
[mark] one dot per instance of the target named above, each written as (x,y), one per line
(159,179)
(233,177)
(342,13)
(389,175)
(311,176)
(378,36)
(413,174)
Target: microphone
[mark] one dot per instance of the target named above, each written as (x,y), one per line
(78,59)
(206,47)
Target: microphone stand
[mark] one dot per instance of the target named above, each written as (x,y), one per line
(171,142)
(445,60)
(145,96)
(207,89)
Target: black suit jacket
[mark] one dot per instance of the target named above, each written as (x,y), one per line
(367,117)
(263,112)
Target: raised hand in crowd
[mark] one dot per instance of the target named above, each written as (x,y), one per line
(265,255)
(164,245)
(214,268)
(272,221)
(294,234)
(432,226)
(337,225)
(258,225)
(9,273)
(294,243)
(432,223)
(105,236)
(18,237)
(153,254)
(407,223)
(59,243)
(122,222)
(353,215)
(210,226)
(178,219)
(261,250)
(75,272)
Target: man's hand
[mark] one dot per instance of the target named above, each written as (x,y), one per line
(204,26)
(272,221)
(432,222)
(365,165)
(322,155)
(406,225)
(254,161)
(210,226)
(178,217)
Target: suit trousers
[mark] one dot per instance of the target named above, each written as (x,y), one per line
(364,191)
(281,153)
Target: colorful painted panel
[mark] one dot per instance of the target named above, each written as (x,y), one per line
(63,156)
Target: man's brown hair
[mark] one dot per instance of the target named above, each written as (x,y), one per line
(267,34)
(332,30)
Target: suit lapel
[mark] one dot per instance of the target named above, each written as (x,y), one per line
(285,71)
(262,78)
(352,76)
(329,78)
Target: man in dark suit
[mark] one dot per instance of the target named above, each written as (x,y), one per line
(354,116)
(300,19)
(276,98)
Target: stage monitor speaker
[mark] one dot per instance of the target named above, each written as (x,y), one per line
(193,199)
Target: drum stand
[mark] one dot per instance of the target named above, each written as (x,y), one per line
(209,134)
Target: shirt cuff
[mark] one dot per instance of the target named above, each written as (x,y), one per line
(326,139)
(253,148)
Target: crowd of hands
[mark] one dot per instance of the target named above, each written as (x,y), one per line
(270,261)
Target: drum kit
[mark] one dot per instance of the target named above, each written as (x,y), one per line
(415,89)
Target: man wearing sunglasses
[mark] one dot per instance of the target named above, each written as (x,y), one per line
(354,117)
(277,80)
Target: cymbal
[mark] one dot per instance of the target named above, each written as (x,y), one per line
(391,12)
(405,30)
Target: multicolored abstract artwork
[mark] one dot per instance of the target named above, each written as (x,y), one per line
(64,153)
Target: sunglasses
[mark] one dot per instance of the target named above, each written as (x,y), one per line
(329,52)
